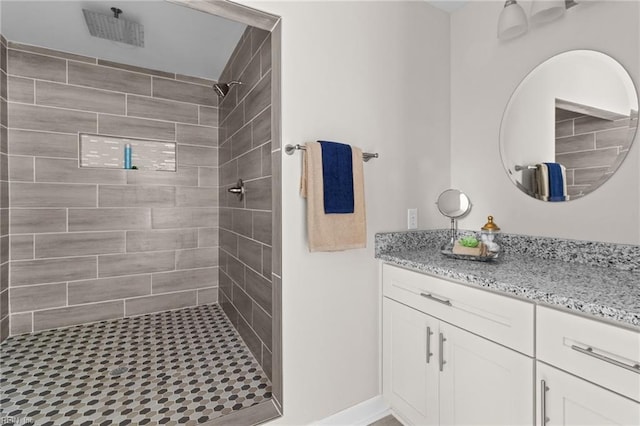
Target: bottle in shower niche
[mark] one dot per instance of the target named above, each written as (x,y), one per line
(127,156)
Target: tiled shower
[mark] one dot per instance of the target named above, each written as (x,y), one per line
(96,244)
(88,248)
(245,225)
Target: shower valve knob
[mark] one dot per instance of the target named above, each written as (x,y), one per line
(238,189)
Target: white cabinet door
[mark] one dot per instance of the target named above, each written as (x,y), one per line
(571,401)
(483,383)
(410,379)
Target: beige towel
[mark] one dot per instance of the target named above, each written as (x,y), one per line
(332,232)
(542,180)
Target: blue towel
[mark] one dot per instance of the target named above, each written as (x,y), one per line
(337,177)
(556,182)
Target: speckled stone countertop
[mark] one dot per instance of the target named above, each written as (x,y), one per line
(576,282)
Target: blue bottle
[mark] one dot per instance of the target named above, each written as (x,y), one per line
(127,156)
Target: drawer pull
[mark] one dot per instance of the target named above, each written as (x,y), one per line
(435,299)
(543,403)
(429,353)
(441,350)
(589,351)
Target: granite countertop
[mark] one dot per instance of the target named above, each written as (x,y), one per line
(609,293)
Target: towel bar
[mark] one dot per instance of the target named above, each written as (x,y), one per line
(290,149)
(519,168)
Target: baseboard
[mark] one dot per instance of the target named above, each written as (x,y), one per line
(362,414)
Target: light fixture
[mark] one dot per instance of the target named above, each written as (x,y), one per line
(547,10)
(512,21)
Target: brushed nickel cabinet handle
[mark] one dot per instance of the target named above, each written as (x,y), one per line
(436,299)
(441,352)
(543,403)
(589,351)
(429,353)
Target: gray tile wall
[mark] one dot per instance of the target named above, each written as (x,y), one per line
(246,226)
(591,148)
(4,195)
(95,244)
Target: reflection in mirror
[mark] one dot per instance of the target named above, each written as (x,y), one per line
(569,125)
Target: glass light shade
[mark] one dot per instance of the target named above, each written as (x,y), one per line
(547,10)
(512,21)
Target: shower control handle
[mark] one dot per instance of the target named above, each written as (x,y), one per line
(238,189)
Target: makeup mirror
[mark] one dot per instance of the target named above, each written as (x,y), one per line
(453,204)
(577,112)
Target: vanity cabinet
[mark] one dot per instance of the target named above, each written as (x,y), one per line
(437,372)
(571,401)
(410,371)
(457,355)
(604,361)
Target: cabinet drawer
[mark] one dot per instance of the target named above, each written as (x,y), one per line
(591,349)
(502,319)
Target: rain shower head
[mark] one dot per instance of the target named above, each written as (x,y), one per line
(222,89)
(113,28)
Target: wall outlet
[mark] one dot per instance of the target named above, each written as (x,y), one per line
(412,219)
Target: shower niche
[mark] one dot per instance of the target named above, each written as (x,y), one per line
(101,151)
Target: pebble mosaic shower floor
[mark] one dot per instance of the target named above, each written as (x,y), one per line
(179,367)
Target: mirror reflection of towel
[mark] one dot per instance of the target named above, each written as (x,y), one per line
(551,180)
(557,181)
(542,179)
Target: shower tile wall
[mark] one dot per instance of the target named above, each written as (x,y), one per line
(4,197)
(97,244)
(246,226)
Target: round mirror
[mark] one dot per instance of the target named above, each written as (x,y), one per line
(453,203)
(569,125)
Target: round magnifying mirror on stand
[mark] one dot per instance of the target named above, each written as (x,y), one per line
(453,204)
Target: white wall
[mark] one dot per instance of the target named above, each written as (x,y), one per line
(485,71)
(376,75)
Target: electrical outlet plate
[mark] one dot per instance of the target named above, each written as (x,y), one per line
(412,219)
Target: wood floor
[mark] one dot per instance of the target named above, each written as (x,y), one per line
(387,421)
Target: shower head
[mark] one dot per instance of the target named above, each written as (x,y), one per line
(222,89)
(114,28)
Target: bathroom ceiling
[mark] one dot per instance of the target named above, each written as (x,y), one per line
(176,39)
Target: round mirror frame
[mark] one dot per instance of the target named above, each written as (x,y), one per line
(525,176)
